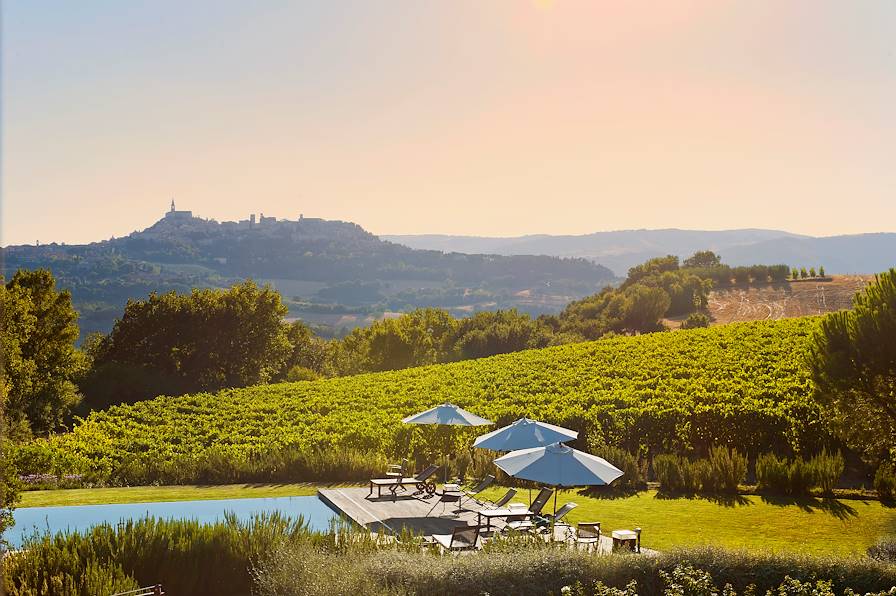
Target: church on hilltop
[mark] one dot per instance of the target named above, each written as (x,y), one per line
(175,214)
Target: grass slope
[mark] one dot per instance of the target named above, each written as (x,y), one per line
(809,526)
(743,384)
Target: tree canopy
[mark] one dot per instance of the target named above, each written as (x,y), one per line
(38,327)
(205,340)
(853,362)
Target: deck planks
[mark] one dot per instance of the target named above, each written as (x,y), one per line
(411,513)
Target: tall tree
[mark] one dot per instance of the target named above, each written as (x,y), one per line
(488,333)
(307,351)
(853,363)
(39,329)
(205,340)
(702,259)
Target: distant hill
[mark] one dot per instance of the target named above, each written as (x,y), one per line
(326,268)
(860,253)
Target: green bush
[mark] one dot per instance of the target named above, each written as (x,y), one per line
(695,321)
(52,577)
(884,550)
(885,481)
(182,555)
(678,474)
(534,569)
(827,469)
(301,373)
(723,471)
(773,473)
(632,475)
(220,465)
(728,469)
(798,476)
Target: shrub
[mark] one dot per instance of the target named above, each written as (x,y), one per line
(728,469)
(667,469)
(812,272)
(695,320)
(885,550)
(800,476)
(821,271)
(534,569)
(772,473)
(632,476)
(885,481)
(301,373)
(827,469)
(183,555)
(678,474)
(51,578)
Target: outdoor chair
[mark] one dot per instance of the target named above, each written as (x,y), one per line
(461,538)
(447,496)
(421,481)
(544,523)
(397,470)
(538,503)
(588,533)
(511,492)
(483,484)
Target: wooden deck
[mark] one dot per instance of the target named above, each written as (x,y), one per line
(416,514)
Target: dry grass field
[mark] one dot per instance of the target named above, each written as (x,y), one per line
(782,300)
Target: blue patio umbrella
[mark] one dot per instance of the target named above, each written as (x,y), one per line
(524,434)
(447,414)
(558,466)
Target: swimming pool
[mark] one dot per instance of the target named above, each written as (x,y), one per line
(81,517)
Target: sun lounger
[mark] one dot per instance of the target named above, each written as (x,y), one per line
(421,481)
(545,522)
(525,523)
(461,538)
(483,484)
(511,492)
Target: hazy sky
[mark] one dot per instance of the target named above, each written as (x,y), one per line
(480,117)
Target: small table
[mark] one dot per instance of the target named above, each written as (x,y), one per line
(488,514)
(626,539)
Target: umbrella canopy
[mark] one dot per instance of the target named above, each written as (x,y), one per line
(558,465)
(447,414)
(524,434)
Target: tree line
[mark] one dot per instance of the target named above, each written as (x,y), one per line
(209,339)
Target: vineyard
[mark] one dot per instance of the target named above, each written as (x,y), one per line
(743,384)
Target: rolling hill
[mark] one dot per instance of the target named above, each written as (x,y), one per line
(744,384)
(859,253)
(321,267)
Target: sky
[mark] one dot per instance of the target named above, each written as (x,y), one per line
(495,118)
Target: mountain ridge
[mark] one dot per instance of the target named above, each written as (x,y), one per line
(320,267)
(621,249)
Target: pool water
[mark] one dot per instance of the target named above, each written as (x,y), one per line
(316,513)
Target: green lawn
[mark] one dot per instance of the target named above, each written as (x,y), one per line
(149,494)
(818,526)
